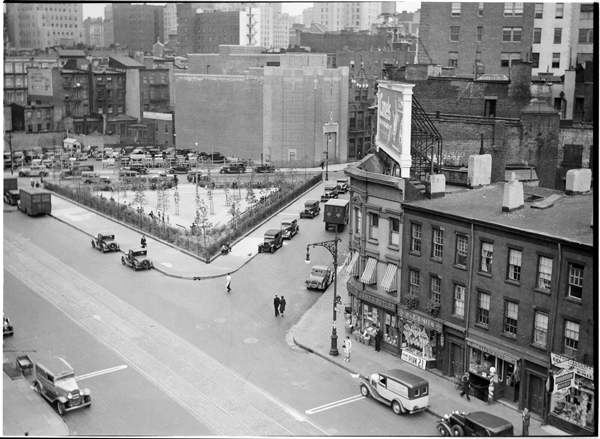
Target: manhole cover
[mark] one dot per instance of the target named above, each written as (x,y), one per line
(220,320)
(251,340)
(202,326)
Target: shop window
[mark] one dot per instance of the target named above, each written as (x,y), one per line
(373,226)
(540,330)
(481,362)
(483,309)
(462,248)
(437,249)
(571,337)
(575,281)
(544,278)
(357,221)
(459,301)
(487,253)
(415,241)
(394,231)
(511,314)
(514,264)
(414,282)
(436,289)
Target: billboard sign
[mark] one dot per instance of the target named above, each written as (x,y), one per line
(159,116)
(391,113)
(39,82)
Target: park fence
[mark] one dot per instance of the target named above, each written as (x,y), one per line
(203,242)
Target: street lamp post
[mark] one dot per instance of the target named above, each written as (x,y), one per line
(332,246)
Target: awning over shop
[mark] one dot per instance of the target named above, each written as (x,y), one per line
(353,265)
(389,278)
(369,276)
(482,345)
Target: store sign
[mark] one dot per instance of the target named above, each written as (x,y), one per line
(421,320)
(376,301)
(502,355)
(564,380)
(413,359)
(566,363)
(391,113)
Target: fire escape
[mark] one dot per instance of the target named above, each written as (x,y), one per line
(426,145)
(73,96)
(252,31)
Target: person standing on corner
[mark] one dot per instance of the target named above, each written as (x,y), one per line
(347,348)
(378,337)
(228,282)
(465,383)
(276,303)
(526,418)
(282,305)
(143,241)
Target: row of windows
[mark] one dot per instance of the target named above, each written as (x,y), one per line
(510,9)
(109,79)
(514,264)
(373,230)
(110,109)
(586,11)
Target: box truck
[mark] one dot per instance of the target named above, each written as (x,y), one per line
(11,190)
(35,201)
(336,214)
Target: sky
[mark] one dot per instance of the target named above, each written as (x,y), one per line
(95,10)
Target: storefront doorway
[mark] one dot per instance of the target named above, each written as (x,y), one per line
(457,355)
(534,399)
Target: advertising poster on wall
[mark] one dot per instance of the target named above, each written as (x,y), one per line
(391,115)
(39,82)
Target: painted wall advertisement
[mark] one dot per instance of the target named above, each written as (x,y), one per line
(39,82)
(390,119)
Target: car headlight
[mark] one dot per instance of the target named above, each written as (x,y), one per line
(70,395)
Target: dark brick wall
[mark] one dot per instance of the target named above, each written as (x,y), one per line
(436,20)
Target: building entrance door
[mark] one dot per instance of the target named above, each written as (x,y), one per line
(457,355)
(535,393)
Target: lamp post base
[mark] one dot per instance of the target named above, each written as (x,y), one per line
(334,350)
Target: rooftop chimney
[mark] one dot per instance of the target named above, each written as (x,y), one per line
(513,195)
(579,181)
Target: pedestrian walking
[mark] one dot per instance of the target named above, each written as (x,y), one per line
(37,184)
(347,348)
(282,305)
(465,385)
(378,337)
(526,417)
(276,303)
(228,282)
(32,183)
(143,241)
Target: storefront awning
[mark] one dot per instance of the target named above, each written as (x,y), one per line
(389,278)
(353,265)
(369,276)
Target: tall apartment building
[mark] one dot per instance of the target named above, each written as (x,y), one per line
(343,15)
(108,25)
(169,19)
(308,16)
(94,32)
(562,36)
(42,25)
(465,35)
(274,28)
(137,26)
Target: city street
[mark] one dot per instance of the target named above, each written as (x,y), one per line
(198,358)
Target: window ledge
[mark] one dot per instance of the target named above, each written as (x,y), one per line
(373,241)
(512,282)
(457,317)
(460,267)
(484,274)
(508,336)
(545,292)
(393,247)
(414,253)
(436,260)
(538,347)
(482,326)
(574,300)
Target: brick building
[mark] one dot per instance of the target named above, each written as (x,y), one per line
(93,32)
(476,38)
(15,75)
(281,114)
(137,26)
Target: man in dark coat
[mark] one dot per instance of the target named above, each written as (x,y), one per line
(378,337)
(465,385)
(282,305)
(276,303)
(143,241)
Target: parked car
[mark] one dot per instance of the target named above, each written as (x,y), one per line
(137,259)
(180,169)
(233,168)
(105,243)
(404,391)
(320,278)
(474,424)
(311,209)
(34,171)
(344,185)
(264,169)
(55,381)
(290,228)
(331,191)
(7,327)
(273,240)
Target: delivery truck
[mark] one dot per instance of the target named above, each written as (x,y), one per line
(11,190)
(336,214)
(35,201)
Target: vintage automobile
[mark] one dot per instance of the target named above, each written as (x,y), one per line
(137,259)
(474,424)
(290,228)
(7,327)
(344,184)
(233,168)
(320,278)
(273,240)
(34,171)
(105,243)
(331,191)
(55,381)
(267,169)
(311,209)
(404,391)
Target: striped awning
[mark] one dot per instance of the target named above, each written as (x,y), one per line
(353,265)
(369,276)
(389,278)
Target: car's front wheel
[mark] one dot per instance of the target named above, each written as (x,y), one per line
(457,430)
(442,431)
(364,390)
(61,408)
(93,244)
(87,399)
